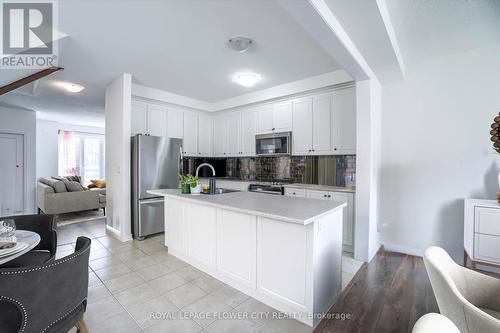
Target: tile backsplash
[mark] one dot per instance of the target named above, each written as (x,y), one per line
(322,170)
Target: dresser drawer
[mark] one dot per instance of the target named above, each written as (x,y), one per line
(295,192)
(487,221)
(487,247)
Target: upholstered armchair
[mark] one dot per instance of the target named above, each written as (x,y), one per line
(49,298)
(471,300)
(434,322)
(45,251)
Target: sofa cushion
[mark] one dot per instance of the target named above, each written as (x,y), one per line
(71,185)
(57,185)
(74,179)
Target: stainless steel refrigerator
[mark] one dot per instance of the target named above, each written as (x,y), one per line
(156,163)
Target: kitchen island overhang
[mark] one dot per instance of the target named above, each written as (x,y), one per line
(283,251)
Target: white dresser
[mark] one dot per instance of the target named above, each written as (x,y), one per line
(482,232)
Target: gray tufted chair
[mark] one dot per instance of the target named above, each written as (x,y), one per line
(46,298)
(45,251)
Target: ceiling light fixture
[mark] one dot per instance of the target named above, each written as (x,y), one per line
(71,87)
(240,44)
(247,79)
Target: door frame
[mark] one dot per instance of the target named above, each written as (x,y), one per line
(25,159)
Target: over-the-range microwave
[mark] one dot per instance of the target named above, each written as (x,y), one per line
(273,144)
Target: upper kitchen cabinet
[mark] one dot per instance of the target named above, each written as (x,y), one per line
(157,120)
(138,118)
(204,134)
(248,131)
(190,140)
(344,121)
(302,135)
(219,134)
(233,134)
(275,117)
(175,123)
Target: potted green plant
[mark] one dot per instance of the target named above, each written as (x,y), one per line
(185,181)
(195,185)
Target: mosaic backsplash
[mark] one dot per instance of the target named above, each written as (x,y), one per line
(337,170)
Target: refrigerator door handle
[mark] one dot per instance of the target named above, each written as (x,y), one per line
(150,201)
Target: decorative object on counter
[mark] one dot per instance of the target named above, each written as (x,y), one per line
(195,186)
(495,137)
(187,181)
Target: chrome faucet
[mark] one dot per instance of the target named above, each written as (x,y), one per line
(212,183)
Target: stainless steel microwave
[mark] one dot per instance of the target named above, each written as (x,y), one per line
(273,143)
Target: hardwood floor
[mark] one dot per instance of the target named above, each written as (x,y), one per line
(387,295)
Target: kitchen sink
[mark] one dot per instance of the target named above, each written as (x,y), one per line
(223,191)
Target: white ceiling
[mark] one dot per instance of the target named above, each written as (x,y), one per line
(430,29)
(177,46)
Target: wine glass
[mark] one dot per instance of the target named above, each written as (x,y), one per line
(7,229)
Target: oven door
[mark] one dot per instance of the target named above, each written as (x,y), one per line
(273,144)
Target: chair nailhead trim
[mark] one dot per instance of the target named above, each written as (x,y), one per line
(46,266)
(63,316)
(25,314)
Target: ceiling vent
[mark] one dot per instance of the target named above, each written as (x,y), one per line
(240,44)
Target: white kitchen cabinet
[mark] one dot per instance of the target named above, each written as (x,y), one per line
(344,121)
(248,131)
(236,246)
(175,123)
(219,134)
(348,219)
(157,120)
(190,140)
(482,232)
(321,124)
(138,118)
(233,134)
(201,235)
(175,230)
(266,121)
(204,134)
(302,118)
(282,116)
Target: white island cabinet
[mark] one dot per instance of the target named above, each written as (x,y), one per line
(284,251)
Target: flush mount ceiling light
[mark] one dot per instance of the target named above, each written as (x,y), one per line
(246,79)
(71,87)
(240,44)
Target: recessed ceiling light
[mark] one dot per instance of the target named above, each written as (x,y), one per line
(240,44)
(71,87)
(246,79)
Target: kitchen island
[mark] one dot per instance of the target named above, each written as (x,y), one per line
(285,252)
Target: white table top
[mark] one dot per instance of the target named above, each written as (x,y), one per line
(29,237)
(278,207)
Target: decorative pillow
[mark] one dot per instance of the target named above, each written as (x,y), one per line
(73,186)
(57,185)
(74,178)
(99,183)
(91,186)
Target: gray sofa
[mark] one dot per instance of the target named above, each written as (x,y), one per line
(53,198)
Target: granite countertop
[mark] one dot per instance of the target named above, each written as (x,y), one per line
(321,187)
(278,207)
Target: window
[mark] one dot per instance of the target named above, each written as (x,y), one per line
(81,154)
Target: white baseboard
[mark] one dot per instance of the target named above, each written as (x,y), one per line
(403,249)
(117,234)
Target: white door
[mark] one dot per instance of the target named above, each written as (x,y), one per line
(190,141)
(219,135)
(344,106)
(204,130)
(348,225)
(236,246)
(138,118)
(282,117)
(12,189)
(302,126)
(320,195)
(248,131)
(157,120)
(321,126)
(175,124)
(233,134)
(266,119)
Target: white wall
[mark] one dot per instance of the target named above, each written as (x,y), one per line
(117,109)
(22,121)
(47,151)
(436,149)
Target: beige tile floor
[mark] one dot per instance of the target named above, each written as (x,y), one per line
(130,281)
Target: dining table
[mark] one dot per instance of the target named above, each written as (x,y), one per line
(29,237)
